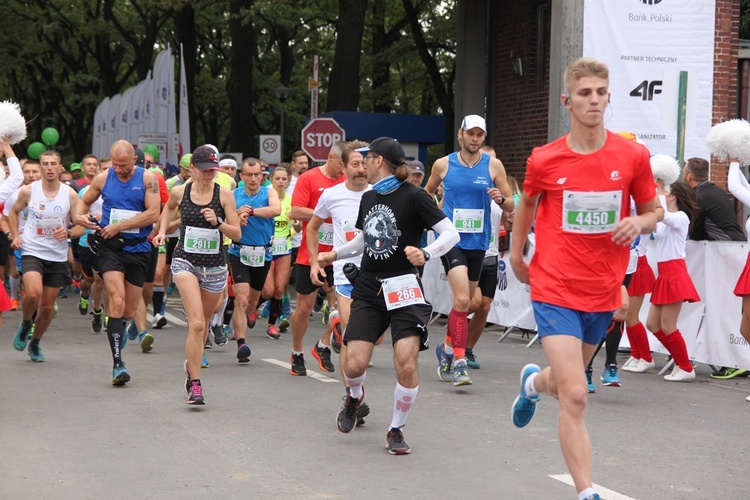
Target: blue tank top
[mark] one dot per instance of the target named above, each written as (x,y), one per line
(466,188)
(129,195)
(259,230)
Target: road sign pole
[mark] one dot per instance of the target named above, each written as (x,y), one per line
(314,95)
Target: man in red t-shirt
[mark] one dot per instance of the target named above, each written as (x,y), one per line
(307,191)
(583,233)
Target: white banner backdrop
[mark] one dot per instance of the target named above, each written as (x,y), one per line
(711,328)
(646,45)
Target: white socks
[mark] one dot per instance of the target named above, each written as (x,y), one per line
(529,386)
(403,399)
(355,385)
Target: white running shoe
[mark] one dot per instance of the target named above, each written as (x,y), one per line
(747,398)
(632,361)
(680,375)
(641,366)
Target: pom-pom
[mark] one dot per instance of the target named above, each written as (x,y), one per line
(730,139)
(665,169)
(12,123)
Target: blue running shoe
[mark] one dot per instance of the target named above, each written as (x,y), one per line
(63,293)
(266,309)
(286,307)
(21,339)
(243,353)
(132,330)
(170,288)
(120,374)
(445,366)
(524,406)
(589,380)
(35,353)
(283,323)
(204,361)
(610,376)
(460,373)
(163,310)
(146,340)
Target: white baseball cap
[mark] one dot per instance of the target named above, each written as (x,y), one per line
(474,121)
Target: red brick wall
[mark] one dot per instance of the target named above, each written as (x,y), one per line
(520,114)
(725,73)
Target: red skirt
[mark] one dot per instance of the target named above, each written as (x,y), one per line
(4,300)
(673,284)
(743,284)
(643,279)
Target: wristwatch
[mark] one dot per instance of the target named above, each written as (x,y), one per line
(502,201)
(426,255)
(219,222)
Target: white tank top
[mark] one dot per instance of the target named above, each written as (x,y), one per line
(45,215)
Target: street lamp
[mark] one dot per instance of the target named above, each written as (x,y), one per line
(282,93)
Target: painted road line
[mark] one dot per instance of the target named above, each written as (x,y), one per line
(310,373)
(604,493)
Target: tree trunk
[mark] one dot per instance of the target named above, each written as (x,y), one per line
(240,83)
(343,84)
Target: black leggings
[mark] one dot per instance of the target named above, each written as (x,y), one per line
(614,335)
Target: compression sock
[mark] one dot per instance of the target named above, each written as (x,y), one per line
(274,311)
(157,299)
(458,327)
(403,399)
(614,335)
(355,385)
(115,329)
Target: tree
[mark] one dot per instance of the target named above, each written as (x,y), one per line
(345,83)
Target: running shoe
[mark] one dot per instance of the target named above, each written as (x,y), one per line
(14,304)
(630,363)
(265,311)
(336,335)
(445,366)
(727,373)
(524,406)
(362,412)
(163,310)
(461,373)
(96,321)
(120,374)
(395,444)
(272,332)
(106,320)
(159,321)
(22,337)
(319,300)
(471,360)
(298,365)
(286,308)
(55,310)
(323,355)
(204,361)
(83,306)
(35,352)
(590,380)
(326,314)
(642,366)
(147,341)
(252,317)
(208,343)
(219,336)
(594,496)
(677,375)
(63,293)
(132,330)
(610,376)
(75,285)
(283,323)
(187,377)
(243,353)
(346,419)
(170,288)
(195,394)
(226,330)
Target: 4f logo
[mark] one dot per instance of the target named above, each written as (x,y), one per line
(646,90)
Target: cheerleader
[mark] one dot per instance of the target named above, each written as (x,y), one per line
(7,188)
(673,286)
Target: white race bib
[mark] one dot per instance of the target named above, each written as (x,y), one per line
(591,213)
(402,291)
(280,246)
(119,215)
(202,241)
(325,234)
(632,262)
(468,220)
(45,227)
(253,256)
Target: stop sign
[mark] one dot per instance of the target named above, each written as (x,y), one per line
(319,135)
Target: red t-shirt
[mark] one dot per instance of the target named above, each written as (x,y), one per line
(163,190)
(575,263)
(307,191)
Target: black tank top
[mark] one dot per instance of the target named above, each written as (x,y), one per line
(203,253)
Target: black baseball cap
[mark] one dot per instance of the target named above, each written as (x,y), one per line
(388,148)
(140,158)
(205,158)
(416,167)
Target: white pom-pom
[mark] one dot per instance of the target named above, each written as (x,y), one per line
(665,169)
(12,123)
(730,139)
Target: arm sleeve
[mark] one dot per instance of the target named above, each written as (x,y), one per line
(14,180)
(352,248)
(447,239)
(738,184)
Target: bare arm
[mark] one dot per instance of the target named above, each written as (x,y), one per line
(175,198)
(521,226)
(21,202)
(274,206)
(89,197)
(628,229)
(500,180)
(439,169)
(312,240)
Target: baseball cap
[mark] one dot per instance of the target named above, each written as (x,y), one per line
(75,166)
(473,121)
(388,148)
(416,167)
(185,161)
(140,158)
(205,158)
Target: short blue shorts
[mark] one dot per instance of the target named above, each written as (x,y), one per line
(590,328)
(345,290)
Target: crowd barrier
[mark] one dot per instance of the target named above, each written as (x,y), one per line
(711,328)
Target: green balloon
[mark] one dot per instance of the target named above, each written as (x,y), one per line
(50,136)
(152,150)
(35,150)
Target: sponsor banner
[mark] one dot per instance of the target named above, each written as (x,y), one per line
(157,139)
(646,44)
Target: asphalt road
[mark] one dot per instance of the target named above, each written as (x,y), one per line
(66,432)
